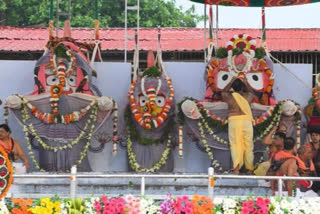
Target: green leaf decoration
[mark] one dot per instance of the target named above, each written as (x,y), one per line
(61,51)
(152,71)
(222,52)
(259,53)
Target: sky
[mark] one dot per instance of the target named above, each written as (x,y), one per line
(302,16)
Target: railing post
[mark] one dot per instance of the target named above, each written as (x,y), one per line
(73,182)
(143,183)
(280,187)
(210,182)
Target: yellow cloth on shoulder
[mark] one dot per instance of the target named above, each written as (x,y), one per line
(241,134)
(242,103)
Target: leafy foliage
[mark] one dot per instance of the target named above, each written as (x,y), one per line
(153,13)
(222,52)
(152,72)
(260,53)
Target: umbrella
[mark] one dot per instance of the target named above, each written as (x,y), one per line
(256,3)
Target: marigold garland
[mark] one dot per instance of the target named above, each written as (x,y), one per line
(49,118)
(90,121)
(138,116)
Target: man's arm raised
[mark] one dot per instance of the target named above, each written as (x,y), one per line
(225,92)
(250,93)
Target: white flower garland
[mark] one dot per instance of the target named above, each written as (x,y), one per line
(133,159)
(215,163)
(83,154)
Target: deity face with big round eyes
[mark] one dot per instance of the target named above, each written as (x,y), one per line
(151,100)
(53,79)
(239,61)
(62,69)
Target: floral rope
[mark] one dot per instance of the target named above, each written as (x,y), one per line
(215,163)
(133,159)
(115,128)
(49,118)
(30,128)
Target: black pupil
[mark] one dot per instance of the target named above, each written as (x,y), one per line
(159,101)
(54,79)
(71,80)
(255,77)
(225,77)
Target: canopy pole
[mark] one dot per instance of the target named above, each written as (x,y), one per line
(96,9)
(217,26)
(51,10)
(205,33)
(263,25)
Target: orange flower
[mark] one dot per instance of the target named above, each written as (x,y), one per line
(24,205)
(271,81)
(202,205)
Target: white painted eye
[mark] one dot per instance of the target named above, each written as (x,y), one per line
(255,80)
(160,101)
(72,81)
(224,78)
(52,80)
(142,100)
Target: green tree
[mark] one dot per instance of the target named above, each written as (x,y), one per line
(153,13)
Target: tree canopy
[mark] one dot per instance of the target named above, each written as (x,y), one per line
(153,13)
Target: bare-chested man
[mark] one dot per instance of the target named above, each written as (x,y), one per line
(314,145)
(240,129)
(274,140)
(306,169)
(286,162)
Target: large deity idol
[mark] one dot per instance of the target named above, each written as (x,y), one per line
(60,117)
(207,119)
(150,120)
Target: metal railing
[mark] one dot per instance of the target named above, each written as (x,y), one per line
(73,176)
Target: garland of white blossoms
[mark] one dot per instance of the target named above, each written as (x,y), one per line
(209,130)
(133,159)
(30,129)
(274,122)
(215,163)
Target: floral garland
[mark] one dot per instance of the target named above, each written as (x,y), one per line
(215,163)
(180,141)
(115,128)
(6,114)
(133,159)
(262,125)
(138,116)
(146,141)
(55,68)
(49,118)
(30,129)
(237,42)
(6,171)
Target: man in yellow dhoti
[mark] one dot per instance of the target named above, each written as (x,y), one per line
(240,123)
